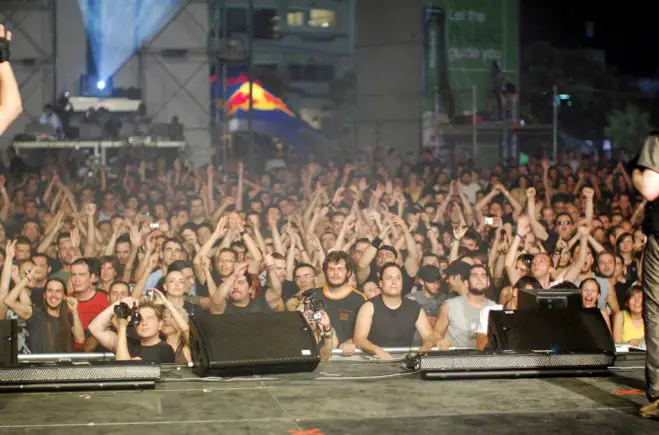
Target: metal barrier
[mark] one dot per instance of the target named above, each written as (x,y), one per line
(64,357)
(397,352)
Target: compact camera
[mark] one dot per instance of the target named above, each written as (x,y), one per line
(313,309)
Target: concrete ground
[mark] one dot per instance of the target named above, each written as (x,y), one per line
(341,397)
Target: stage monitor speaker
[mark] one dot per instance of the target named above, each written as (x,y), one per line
(8,342)
(81,375)
(476,364)
(551,299)
(553,331)
(252,343)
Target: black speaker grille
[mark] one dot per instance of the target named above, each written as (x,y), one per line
(8,342)
(253,339)
(498,361)
(87,372)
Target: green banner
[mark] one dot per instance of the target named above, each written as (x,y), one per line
(476,34)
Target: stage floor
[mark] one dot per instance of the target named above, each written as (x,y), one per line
(341,397)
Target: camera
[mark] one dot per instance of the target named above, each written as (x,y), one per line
(313,309)
(123,311)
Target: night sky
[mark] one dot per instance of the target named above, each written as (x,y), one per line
(629,37)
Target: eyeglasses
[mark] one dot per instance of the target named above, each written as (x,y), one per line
(564,223)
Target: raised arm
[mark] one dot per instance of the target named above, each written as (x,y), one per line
(538,229)
(273,295)
(572,273)
(22,308)
(11,105)
(5,278)
(219,299)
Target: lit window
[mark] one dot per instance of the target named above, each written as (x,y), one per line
(295,18)
(322,18)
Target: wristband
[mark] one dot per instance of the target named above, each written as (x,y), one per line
(376,242)
(519,235)
(5,52)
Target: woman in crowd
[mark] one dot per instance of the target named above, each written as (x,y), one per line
(628,327)
(590,293)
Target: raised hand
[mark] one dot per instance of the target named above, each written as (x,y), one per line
(268,261)
(523,225)
(588,192)
(205,262)
(546,164)
(75,238)
(90,209)
(10,249)
(72,303)
(241,269)
(459,232)
(530,192)
(135,237)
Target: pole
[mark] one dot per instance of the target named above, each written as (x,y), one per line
(554,138)
(474,129)
(224,35)
(250,72)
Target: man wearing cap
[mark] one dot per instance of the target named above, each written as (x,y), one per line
(429,296)
(456,277)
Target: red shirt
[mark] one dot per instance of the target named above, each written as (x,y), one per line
(89,309)
(92,307)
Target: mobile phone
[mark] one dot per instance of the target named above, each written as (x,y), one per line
(489,220)
(154,226)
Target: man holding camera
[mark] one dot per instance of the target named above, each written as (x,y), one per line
(340,299)
(10,99)
(147,319)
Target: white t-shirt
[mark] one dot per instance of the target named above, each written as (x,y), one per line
(485,317)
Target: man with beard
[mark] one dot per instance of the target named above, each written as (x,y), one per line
(56,325)
(390,320)
(458,318)
(342,301)
(237,293)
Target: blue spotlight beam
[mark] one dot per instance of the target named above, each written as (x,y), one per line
(116,29)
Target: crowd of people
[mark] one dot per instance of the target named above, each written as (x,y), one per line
(397,253)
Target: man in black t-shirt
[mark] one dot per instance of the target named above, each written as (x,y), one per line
(236,294)
(149,347)
(341,300)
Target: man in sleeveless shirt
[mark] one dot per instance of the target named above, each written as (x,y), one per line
(389,319)
(341,300)
(646,181)
(458,318)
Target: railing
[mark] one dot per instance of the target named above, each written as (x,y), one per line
(337,354)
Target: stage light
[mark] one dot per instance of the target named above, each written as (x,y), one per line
(100,85)
(117,29)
